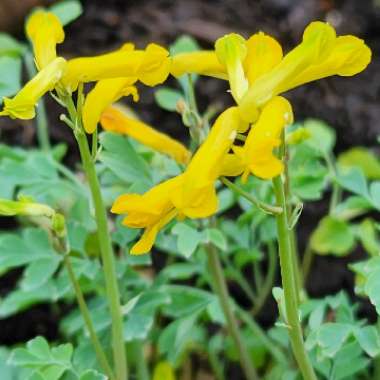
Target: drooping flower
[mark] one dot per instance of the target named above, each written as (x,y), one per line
(22,106)
(45,31)
(191,194)
(197,196)
(150,66)
(256,155)
(260,64)
(113,119)
(105,92)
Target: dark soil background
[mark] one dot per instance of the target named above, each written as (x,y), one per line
(351,105)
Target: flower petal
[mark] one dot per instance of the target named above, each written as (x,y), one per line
(114,120)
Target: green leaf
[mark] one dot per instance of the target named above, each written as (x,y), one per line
(374,191)
(67,10)
(122,159)
(332,336)
(332,236)
(177,337)
(216,237)
(10,46)
(32,248)
(10,75)
(353,180)
(184,44)
(185,300)
(322,136)
(369,340)
(364,159)
(367,234)
(188,239)
(168,98)
(50,362)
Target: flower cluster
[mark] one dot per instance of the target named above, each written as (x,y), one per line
(257,72)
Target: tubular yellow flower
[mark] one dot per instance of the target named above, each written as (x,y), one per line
(198,62)
(197,196)
(256,156)
(22,106)
(114,120)
(190,194)
(319,55)
(231,51)
(151,66)
(152,211)
(45,31)
(105,92)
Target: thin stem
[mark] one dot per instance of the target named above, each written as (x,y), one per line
(336,190)
(141,365)
(269,279)
(293,238)
(41,118)
(220,288)
(87,319)
(106,250)
(260,334)
(289,286)
(264,206)
(216,365)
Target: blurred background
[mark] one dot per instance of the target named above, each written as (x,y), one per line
(351,105)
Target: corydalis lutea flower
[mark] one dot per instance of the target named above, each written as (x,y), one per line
(191,194)
(114,119)
(258,71)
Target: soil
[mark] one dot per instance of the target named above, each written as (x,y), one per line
(350,105)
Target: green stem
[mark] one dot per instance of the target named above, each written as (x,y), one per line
(141,365)
(289,285)
(260,334)
(106,250)
(264,206)
(220,288)
(269,280)
(87,319)
(293,238)
(216,366)
(41,118)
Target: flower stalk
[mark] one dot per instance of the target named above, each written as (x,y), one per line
(220,288)
(106,250)
(289,284)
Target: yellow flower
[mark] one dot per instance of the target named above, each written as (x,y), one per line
(256,156)
(151,66)
(45,31)
(22,106)
(190,194)
(114,120)
(152,211)
(199,62)
(197,196)
(105,92)
(268,74)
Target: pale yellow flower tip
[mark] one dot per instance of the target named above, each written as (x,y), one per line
(45,31)
(231,50)
(115,120)
(22,106)
(263,53)
(319,38)
(105,92)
